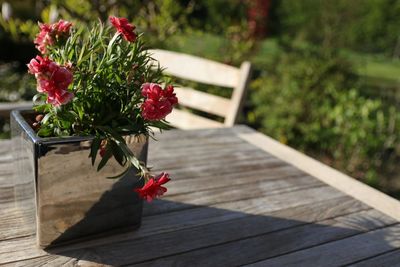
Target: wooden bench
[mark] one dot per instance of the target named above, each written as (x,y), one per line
(209,72)
(5,108)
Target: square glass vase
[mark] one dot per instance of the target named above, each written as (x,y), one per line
(59,190)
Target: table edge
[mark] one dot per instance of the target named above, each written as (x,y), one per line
(360,191)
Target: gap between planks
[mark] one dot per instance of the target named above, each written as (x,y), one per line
(309,213)
(389,258)
(274,243)
(201,215)
(335,253)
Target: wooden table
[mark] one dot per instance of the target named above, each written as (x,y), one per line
(237,198)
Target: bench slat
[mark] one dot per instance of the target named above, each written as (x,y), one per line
(206,71)
(6,108)
(186,121)
(202,101)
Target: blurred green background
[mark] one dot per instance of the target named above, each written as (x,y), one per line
(327,72)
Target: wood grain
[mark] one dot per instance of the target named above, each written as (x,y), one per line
(391,258)
(332,177)
(239,94)
(196,69)
(5,107)
(199,100)
(186,216)
(188,121)
(229,203)
(142,247)
(275,243)
(17,221)
(336,253)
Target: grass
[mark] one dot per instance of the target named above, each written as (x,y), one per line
(378,70)
(375,66)
(196,43)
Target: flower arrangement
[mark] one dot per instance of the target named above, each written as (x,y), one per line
(101,83)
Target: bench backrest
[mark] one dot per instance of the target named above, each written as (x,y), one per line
(205,71)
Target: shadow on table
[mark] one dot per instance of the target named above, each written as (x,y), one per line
(174,233)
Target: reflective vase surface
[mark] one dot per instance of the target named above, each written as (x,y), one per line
(69,198)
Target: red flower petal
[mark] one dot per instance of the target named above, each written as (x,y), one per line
(158,103)
(124,27)
(153,188)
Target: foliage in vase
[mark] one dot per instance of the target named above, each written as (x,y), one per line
(101,82)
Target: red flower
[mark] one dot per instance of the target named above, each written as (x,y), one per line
(158,103)
(43,39)
(153,188)
(124,27)
(62,77)
(169,94)
(102,152)
(50,33)
(41,66)
(52,79)
(59,97)
(103,145)
(61,27)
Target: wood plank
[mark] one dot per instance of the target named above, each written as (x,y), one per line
(239,94)
(53,261)
(203,134)
(24,248)
(336,253)
(213,104)
(194,169)
(276,243)
(5,145)
(166,230)
(185,120)
(228,195)
(6,175)
(224,153)
(163,150)
(190,184)
(6,107)
(306,210)
(255,206)
(225,203)
(196,69)
(244,191)
(17,220)
(391,258)
(332,177)
(9,191)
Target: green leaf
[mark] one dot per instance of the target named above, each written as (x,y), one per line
(94,148)
(45,119)
(38,99)
(66,124)
(45,132)
(111,43)
(42,108)
(118,153)
(105,158)
(114,134)
(111,61)
(78,108)
(161,125)
(135,162)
